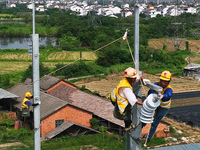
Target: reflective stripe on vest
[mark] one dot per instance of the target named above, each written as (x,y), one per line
(121,102)
(112,96)
(165,104)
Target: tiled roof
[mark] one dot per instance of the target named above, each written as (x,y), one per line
(62,91)
(192,66)
(193,146)
(6,94)
(63,127)
(49,103)
(48,81)
(98,106)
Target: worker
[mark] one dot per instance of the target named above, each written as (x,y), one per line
(26,102)
(165,98)
(27,120)
(123,98)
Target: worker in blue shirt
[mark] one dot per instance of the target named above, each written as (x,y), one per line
(27,119)
(165,104)
(26,101)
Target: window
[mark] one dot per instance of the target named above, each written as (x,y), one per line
(59,122)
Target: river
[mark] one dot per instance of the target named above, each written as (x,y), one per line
(23,43)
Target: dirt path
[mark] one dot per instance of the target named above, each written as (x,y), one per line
(3,146)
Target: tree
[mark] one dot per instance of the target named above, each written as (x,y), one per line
(69,42)
(112,55)
(29,72)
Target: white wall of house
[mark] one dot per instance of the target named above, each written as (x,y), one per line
(191,10)
(78,9)
(164,11)
(116,10)
(12,5)
(30,6)
(40,8)
(128,13)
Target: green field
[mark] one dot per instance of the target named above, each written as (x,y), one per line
(19,61)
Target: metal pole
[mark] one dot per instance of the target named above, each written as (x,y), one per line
(36,84)
(36,91)
(136,37)
(33,10)
(132,143)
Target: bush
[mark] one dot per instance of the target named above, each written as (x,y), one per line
(111,56)
(94,123)
(75,70)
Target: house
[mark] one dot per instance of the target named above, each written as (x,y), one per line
(80,10)
(150,7)
(11,5)
(192,70)
(126,12)
(30,6)
(40,8)
(99,107)
(7,100)
(191,10)
(54,112)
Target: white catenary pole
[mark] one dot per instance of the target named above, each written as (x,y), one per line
(36,84)
(132,142)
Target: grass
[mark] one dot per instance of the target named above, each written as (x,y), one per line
(4,15)
(85,142)
(71,55)
(155,141)
(9,67)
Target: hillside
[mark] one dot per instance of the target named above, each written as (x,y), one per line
(193,46)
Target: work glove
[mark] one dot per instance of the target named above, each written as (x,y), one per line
(159,96)
(145,81)
(36,104)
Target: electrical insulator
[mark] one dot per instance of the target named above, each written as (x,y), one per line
(149,106)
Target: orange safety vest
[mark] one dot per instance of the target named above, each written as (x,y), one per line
(115,97)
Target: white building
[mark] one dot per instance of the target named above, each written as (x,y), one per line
(40,8)
(11,5)
(81,11)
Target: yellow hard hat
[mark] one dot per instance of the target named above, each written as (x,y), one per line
(166,75)
(130,73)
(28,94)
